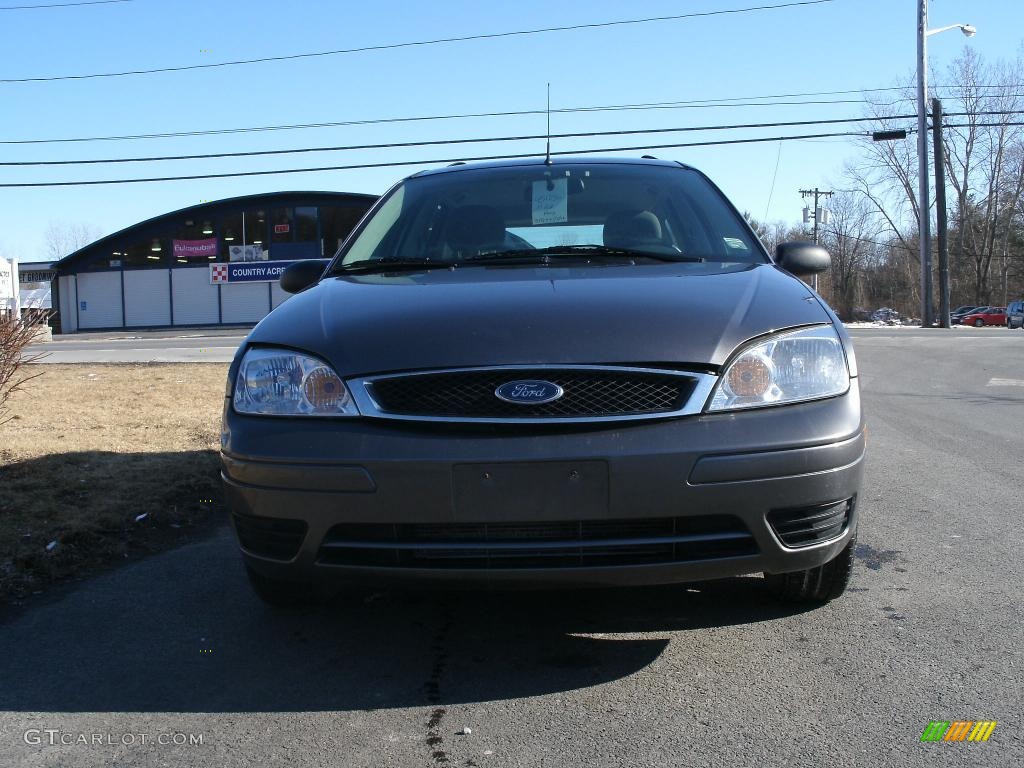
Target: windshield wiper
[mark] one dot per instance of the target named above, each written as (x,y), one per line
(547,255)
(516,256)
(389,265)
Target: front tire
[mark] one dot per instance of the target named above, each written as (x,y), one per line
(978,323)
(279,593)
(816,585)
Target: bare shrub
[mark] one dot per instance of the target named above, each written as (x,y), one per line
(15,336)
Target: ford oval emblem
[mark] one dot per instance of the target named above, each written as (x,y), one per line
(528,392)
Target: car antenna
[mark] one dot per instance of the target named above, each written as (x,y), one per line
(547,155)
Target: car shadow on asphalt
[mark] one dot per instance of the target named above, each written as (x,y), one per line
(181,632)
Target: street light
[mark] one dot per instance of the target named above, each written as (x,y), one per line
(923,33)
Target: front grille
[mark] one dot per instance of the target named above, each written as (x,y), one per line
(811,525)
(587,393)
(558,544)
(270,537)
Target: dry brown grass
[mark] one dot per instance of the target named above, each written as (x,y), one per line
(92,447)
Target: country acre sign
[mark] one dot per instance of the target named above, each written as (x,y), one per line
(248,271)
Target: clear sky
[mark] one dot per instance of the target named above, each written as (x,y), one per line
(839,45)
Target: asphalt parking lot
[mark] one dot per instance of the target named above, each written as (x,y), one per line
(702,674)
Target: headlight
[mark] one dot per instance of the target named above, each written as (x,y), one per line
(784,368)
(278,382)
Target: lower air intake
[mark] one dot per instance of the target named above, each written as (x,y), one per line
(557,544)
(271,537)
(805,526)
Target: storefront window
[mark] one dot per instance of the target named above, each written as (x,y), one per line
(256,228)
(243,236)
(112,259)
(148,253)
(194,243)
(305,224)
(283,226)
(335,224)
(230,234)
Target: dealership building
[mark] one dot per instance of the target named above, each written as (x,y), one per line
(211,264)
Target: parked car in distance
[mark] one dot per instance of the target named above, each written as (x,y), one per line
(959,312)
(547,372)
(985,316)
(885,315)
(1015,314)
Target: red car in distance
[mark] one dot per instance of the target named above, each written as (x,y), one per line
(985,316)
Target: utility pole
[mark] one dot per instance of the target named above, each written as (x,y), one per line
(817,214)
(923,208)
(942,224)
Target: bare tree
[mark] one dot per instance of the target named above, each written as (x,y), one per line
(850,236)
(775,232)
(985,167)
(63,238)
(886,172)
(984,163)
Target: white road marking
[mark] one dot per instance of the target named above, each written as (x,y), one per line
(1005,383)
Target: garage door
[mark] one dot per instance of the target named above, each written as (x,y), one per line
(147,297)
(195,300)
(278,294)
(99,300)
(244,303)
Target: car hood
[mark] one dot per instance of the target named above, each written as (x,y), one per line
(674,314)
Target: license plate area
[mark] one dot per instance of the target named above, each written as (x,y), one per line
(551,490)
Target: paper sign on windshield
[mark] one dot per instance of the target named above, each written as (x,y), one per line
(550,205)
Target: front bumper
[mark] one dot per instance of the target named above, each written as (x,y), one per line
(297,479)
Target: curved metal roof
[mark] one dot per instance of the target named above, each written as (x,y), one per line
(159,223)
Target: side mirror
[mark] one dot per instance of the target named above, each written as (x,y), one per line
(801,258)
(302,274)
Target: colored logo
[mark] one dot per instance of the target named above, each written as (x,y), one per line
(528,392)
(958,730)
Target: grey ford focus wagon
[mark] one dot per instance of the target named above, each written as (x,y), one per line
(547,373)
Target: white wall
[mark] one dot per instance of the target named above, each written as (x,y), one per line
(195,299)
(101,292)
(244,302)
(147,297)
(68,303)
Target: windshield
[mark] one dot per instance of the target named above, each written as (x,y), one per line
(568,210)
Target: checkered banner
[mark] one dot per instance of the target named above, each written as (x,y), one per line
(218,273)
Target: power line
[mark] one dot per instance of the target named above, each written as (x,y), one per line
(439,142)
(421,43)
(487,139)
(692,104)
(980,125)
(593,150)
(424,118)
(59,5)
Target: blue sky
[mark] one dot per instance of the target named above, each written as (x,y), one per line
(845,44)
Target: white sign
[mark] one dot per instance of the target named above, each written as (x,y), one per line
(8,285)
(247,253)
(550,201)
